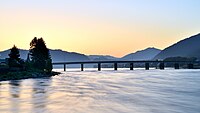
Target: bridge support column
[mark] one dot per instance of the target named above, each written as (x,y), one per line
(99,66)
(64,67)
(176,66)
(162,66)
(147,66)
(82,66)
(115,66)
(190,66)
(131,66)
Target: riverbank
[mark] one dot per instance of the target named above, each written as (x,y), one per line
(26,75)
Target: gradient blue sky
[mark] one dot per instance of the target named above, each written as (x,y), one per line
(114,27)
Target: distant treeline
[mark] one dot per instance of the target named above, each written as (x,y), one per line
(180,59)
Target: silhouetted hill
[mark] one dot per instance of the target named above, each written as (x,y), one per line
(59,56)
(56,55)
(189,47)
(23,54)
(101,57)
(146,54)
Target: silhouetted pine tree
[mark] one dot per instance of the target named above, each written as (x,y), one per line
(14,53)
(14,58)
(40,55)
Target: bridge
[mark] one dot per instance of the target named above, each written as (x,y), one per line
(161,64)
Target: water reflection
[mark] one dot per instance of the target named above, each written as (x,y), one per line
(4,97)
(39,94)
(15,88)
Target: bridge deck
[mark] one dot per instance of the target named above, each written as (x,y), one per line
(161,64)
(96,62)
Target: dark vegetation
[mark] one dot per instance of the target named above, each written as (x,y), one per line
(14,62)
(180,59)
(177,59)
(37,64)
(40,56)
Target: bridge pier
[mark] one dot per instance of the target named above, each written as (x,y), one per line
(190,66)
(147,66)
(131,66)
(115,66)
(82,66)
(64,67)
(162,66)
(176,66)
(99,66)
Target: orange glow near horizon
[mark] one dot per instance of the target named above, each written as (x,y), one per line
(105,33)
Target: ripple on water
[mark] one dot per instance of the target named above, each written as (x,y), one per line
(153,91)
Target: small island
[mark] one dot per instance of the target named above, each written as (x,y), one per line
(38,63)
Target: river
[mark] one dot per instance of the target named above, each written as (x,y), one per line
(122,91)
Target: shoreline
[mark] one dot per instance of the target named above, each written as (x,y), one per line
(25,75)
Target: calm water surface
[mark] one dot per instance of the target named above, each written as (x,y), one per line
(123,91)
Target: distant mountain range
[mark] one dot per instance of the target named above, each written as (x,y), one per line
(56,55)
(189,47)
(60,55)
(102,57)
(146,54)
(23,54)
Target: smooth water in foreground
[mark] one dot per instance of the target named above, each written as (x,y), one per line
(123,91)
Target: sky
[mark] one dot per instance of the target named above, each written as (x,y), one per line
(106,27)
